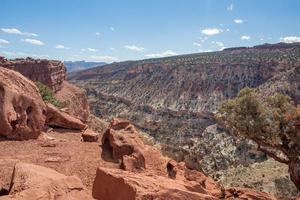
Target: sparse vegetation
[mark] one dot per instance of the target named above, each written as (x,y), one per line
(274,124)
(48,95)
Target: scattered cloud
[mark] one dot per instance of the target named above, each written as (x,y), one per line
(197,44)
(17,32)
(163,54)
(220,44)
(92,49)
(204,51)
(238,21)
(230,7)
(60,46)
(103,58)
(203,39)
(112,28)
(33,41)
(22,54)
(112,49)
(3,42)
(289,39)
(134,48)
(245,37)
(211,31)
(97,33)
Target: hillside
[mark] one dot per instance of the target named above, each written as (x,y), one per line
(173,99)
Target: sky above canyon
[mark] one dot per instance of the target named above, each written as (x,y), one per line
(117,30)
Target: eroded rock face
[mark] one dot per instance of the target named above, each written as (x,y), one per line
(58,118)
(150,175)
(22,110)
(40,183)
(75,100)
(50,72)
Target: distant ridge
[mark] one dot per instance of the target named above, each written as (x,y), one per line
(73,66)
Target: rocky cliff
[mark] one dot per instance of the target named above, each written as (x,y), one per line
(49,72)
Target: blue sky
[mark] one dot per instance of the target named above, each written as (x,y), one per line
(117,30)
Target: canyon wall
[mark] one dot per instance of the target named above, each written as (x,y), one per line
(49,72)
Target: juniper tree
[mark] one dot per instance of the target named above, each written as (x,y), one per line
(273,123)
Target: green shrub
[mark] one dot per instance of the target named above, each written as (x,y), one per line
(48,95)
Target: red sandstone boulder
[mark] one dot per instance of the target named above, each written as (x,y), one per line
(116,184)
(124,144)
(75,100)
(32,182)
(58,118)
(22,110)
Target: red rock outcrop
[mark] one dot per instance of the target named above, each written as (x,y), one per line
(143,173)
(75,100)
(49,72)
(40,183)
(22,110)
(58,118)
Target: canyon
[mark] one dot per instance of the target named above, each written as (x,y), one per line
(174,99)
(171,143)
(44,157)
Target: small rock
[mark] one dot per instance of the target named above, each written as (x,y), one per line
(89,136)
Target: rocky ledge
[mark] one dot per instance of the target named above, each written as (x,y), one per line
(49,72)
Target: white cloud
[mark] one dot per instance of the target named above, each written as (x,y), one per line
(197,44)
(290,39)
(230,7)
(211,31)
(220,44)
(2,41)
(204,51)
(103,58)
(92,50)
(60,46)
(245,37)
(33,41)
(163,54)
(112,28)
(22,54)
(17,32)
(97,33)
(112,49)
(238,21)
(134,48)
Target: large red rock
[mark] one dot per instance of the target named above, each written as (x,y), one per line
(22,110)
(58,118)
(142,186)
(122,143)
(75,100)
(50,72)
(33,182)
